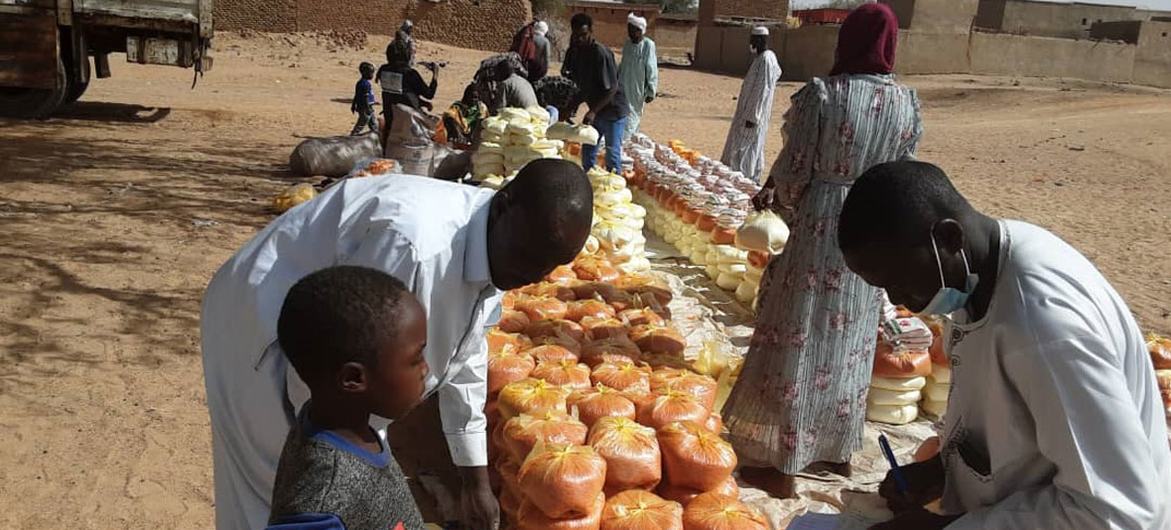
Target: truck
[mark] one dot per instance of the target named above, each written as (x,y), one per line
(49,49)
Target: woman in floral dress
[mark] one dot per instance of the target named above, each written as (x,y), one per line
(801,398)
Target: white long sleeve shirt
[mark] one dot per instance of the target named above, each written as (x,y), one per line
(1054,419)
(432,235)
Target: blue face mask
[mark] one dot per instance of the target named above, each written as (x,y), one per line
(948,300)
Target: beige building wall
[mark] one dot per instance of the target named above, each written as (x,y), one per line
(1152,59)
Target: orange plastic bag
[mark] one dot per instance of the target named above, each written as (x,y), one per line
(702,387)
(581,309)
(684,495)
(568,374)
(900,365)
(646,286)
(604,328)
(594,352)
(556,328)
(563,481)
(513,321)
(641,317)
(600,402)
(695,457)
(530,517)
(556,290)
(627,377)
(595,269)
(541,308)
(499,341)
(669,407)
(546,353)
(562,274)
(658,339)
(641,510)
(523,432)
(531,396)
(633,458)
(507,367)
(712,511)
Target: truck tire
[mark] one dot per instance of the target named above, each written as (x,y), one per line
(75,90)
(34,103)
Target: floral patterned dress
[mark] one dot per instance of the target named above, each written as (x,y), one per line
(801,397)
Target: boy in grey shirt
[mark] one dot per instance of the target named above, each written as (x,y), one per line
(355,336)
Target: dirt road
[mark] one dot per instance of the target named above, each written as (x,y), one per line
(115,215)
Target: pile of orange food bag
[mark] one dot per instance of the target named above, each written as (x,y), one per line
(596,420)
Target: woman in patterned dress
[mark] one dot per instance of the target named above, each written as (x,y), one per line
(801,398)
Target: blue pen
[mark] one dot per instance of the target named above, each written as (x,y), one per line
(894,464)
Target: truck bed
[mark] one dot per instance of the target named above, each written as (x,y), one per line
(171,10)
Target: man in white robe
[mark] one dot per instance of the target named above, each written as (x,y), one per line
(1054,418)
(744,148)
(638,72)
(455,247)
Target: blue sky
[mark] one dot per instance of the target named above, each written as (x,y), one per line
(1150,4)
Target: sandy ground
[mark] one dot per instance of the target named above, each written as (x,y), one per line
(115,215)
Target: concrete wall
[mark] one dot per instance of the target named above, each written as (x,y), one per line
(808,51)
(454,22)
(610,19)
(921,52)
(708,40)
(1122,30)
(1001,54)
(935,16)
(990,14)
(735,57)
(674,35)
(1047,19)
(1152,60)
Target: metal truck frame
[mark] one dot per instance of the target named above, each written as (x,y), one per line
(46,45)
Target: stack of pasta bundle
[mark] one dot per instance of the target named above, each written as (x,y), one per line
(596,420)
(896,385)
(698,205)
(510,140)
(618,222)
(762,235)
(939,382)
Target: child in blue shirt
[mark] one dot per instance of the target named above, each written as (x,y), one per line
(356,336)
(363,103)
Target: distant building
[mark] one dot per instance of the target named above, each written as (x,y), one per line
(1049,19)
(674,34)
(710,10)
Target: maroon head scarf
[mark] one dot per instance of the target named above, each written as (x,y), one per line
(867,40)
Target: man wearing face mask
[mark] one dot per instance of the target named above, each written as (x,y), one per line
(1054,419)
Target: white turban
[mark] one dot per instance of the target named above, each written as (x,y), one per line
(636,21)
(540,27)
(760,30)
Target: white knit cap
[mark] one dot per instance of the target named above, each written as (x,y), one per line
(636,21)
(760,30)
(540,28)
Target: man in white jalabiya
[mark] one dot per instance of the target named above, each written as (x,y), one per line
(639,71)
(744,148)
